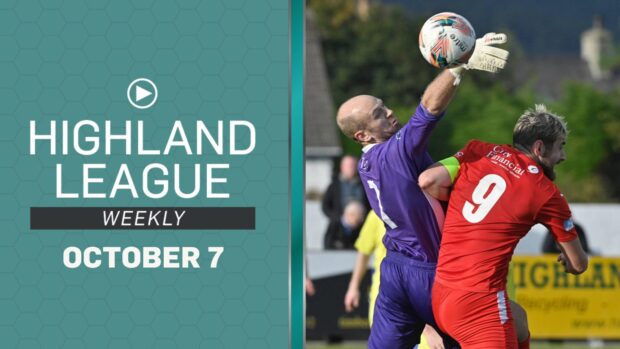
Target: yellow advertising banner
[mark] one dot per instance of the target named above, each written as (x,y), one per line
(561,305)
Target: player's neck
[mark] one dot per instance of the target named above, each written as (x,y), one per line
(549,173)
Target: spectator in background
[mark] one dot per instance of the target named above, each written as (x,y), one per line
(342,233)
(549,245)
(368,243)
(345,187)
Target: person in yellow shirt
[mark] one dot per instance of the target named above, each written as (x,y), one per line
(368,243)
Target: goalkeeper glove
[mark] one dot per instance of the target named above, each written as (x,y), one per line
(485,57)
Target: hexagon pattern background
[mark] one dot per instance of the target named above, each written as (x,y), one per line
(211,60)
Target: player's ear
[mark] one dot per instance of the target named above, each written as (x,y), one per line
(538,148)
(362,136)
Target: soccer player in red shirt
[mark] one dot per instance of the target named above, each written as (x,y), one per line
(496,193)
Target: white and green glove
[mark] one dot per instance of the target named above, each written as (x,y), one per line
(485,57)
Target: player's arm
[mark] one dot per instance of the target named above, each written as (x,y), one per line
(352,297)
(439,93)
(310,290)
(432,337)
(555,215)
(437,180)
(573,257)
(485,57)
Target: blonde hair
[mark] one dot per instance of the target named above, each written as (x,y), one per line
(538,124)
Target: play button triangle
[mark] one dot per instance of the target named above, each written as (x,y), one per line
(141,93)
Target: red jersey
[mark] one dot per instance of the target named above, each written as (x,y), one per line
(498,195)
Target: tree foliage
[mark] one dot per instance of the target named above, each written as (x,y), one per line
(593,145)
(378,55)
(486,112)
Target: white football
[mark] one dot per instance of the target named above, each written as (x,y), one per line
(447,40)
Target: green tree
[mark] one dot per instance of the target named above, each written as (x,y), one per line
(378,55)
(593,147)
(487,112)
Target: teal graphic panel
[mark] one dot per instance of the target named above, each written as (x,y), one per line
(144,192)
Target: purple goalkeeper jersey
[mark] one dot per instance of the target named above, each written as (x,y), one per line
(389,172)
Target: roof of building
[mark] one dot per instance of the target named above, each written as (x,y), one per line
(322,138)
(549,74)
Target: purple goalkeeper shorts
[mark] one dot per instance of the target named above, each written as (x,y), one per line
(404,306)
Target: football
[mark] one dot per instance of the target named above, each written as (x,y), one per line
(447,40)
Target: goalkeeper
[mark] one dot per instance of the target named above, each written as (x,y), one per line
(389,168)
(367,244)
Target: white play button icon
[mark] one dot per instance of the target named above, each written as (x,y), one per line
(142,89)
(141,93)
